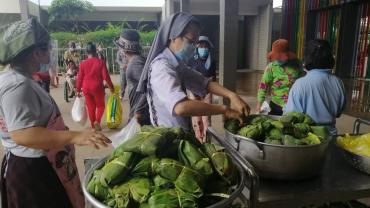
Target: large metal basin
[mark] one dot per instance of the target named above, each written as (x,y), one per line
(227,202)
(278,161)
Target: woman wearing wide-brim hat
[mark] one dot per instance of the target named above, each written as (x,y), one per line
(280,74)
(39,168)
(129,43)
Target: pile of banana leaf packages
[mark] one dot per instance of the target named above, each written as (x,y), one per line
(291,129)
(164,168)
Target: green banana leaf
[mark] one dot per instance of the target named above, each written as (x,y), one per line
(184,178)
(146,167)
(161,182)
(194,157)
(149,143)
(220,160)
(171,198)
(117,170)
(119,197)
(95,188)
(169,169)
(165,198)
(144,205)
(140,189)
(191,182)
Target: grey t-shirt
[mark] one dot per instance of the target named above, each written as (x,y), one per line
(24,104)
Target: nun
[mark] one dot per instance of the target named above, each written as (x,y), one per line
(166,78)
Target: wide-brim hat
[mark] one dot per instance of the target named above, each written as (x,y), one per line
(205,39)
(19,36)
(280,51)
(126,44)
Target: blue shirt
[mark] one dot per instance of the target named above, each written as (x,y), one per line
(168,79)
(319,94)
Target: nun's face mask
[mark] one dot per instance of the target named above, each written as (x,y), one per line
(188,44)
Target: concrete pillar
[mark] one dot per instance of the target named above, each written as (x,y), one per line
(228,43)
(23,4)
(185,6)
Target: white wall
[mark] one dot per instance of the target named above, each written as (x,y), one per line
(9,6)
(260,29)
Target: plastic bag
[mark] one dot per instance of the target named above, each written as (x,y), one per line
(265,108)
(114,111)
(132,128)
(79,114)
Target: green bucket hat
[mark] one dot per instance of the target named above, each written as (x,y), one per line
(19,36)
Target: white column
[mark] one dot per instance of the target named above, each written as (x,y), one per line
(185,6)
(228,43)
(23,4)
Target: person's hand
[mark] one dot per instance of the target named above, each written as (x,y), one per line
(238,104)
(231,113)
(79,94)
(92,138)
(198,127)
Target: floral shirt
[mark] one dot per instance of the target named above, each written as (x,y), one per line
(278,79)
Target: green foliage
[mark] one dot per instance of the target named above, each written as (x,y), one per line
(100,35)
(69,10)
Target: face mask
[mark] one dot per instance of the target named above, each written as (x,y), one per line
(185,52)
(203,52)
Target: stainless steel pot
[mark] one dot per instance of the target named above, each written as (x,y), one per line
(359,162)
(278,161)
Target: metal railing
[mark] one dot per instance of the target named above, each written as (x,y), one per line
(109,54)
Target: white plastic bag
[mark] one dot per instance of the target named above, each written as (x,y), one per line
(79,114)
(265,108)
(126,133)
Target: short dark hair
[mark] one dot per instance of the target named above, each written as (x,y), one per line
(318,55)
(90,48)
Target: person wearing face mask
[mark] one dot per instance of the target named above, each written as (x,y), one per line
(203,62)
(72,54)
(166,77)
(39,168)
(280,74)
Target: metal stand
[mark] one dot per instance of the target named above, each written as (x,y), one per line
(254,181)
(358,122)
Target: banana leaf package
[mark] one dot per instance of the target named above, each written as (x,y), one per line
(95,188)
(119,197)
(172,198)
(194,158)
(161,182)
(136,190)
(149,143)
(184,178)
(220,160)
(117,170)
(146,167)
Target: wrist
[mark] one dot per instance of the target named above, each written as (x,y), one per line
(223,108)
